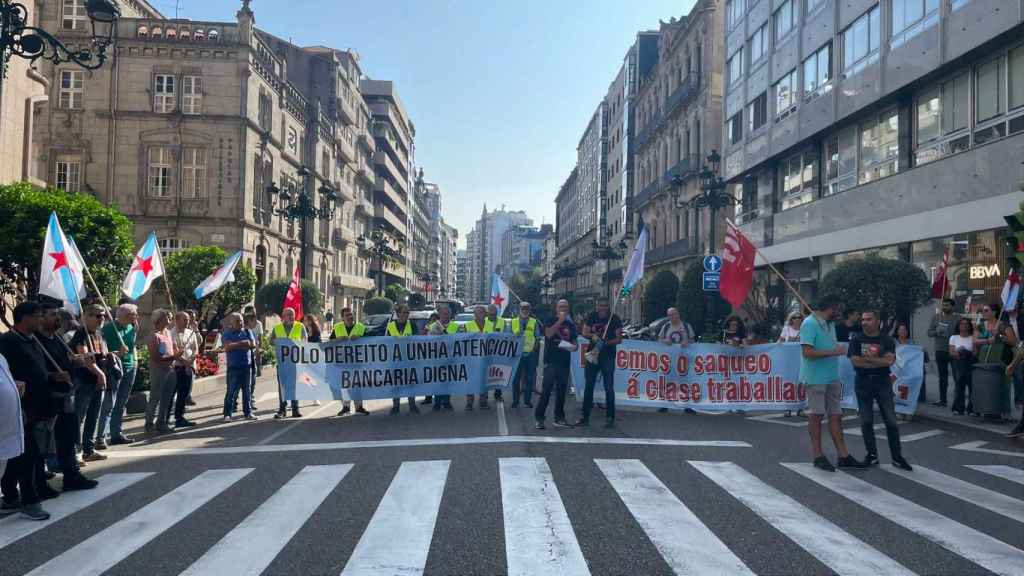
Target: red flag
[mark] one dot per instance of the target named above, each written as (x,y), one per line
(738,267)
(940,284)
(293,298)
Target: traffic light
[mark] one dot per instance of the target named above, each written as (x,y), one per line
(1015,240)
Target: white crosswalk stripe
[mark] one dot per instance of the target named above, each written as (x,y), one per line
(977,547)
(253,544)
(970,493)
(14,528)
(1001,470)
(822,539)
(663,516)
(539,538)
(407,514)
(118,541)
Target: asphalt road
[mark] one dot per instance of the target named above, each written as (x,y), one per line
(483,493)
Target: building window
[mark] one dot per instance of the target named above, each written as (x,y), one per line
(73,15)
(1016,59)
(757,112)
(169,246)
(813,5)
(942,120)
(798,179)
(841,161)
(734,128)
(266,110)
(160,164)
(163,94)
(68,172)
(758,46)
(734,10)
(989,90)
(193,172)
(861,41)
(785,95)
(72,86)
(818,73)
(879,147)
(785,20)
(909,17)
(292,141)
(192,95)
(735,67)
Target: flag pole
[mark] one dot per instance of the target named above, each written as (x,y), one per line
(776,271)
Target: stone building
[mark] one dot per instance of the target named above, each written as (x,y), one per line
(574,275)
(677,119)
(191,122)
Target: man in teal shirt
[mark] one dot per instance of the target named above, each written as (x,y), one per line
(120,337)
(819,373)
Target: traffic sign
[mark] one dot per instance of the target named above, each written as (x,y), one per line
(711,281)
(712,263)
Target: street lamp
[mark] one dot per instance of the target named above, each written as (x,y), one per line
(712,193)
(300,206)
(31,43)
(380,248)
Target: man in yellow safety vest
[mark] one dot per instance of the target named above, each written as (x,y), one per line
(480,324)
(349,329)
(526,370)
(401,328)
(498,324)
(443,325)
(296,332)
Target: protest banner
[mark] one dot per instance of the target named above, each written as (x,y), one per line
(718,378)
(385,367)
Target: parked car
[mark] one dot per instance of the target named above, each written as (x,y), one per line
(462,319)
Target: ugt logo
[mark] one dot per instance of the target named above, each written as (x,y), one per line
(497,373)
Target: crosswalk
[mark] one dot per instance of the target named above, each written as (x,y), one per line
(541,532)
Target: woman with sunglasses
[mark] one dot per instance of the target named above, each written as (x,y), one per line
(791,333)
(995,341)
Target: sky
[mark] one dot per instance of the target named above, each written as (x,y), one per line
(500,91)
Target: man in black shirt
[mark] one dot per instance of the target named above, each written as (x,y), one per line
(872,354)
(557,359)
(848,327)
(604,330)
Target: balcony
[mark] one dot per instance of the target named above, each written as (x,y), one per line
(384,213)
(687,167)
(671,251)
(346,108)
(385,187)
(348,283)
(364,137)
(647,193)
(366,172)
(682,94)
(347,146)
(648,130)
(399,173)
(344,191)
(364,206)
(342,237)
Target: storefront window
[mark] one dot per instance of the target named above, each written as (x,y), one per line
(977,266)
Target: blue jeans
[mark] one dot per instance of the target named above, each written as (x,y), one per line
(87,407)
(605,368)
(112,409)
(870,389)
(238,379)
(526,371)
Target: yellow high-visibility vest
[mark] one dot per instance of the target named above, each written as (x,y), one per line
(499,324)
(530,336)
(393,329)
(472,328)
(342,331)
(294,334)
(451,328)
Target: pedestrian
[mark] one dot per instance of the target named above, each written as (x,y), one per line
(498,324)
(872,354)
(735,332)
(161,377)
(347,330)
(848,326)
(1012,370)
(401,327)
(901,334)
(604,332)
(186,347)
(791,331)
(480,324)
(942,326)
(238,347)
(559,343)
(525,376)
(443,325)
(819,373)
(963,352)
(255,327)
(120,336)
(90,379)
(12,433)
(27,363)
(676,332)
(296,332)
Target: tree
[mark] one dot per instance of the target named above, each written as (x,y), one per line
(527,286)
(395,292)
(893,287)
(377,305)
(417,301)
(270,297)
(659,295)
(187,268)
(703,310)
(103,236)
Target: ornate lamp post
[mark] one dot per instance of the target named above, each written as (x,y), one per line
(712,193)
(31,43)
(380,248)
(606,252)
(300,206)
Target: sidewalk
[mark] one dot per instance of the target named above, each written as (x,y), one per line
(944,414)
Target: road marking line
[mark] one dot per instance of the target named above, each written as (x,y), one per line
(834,547)
(970,493)
(502,423)
(962,540)
(920,435)
(405,518)
(775,418)
(664,518)
(291,426)
(539,538)
(13,528)
(976,446)
(1002,471)
(252,545)
(105,549)
(267,396)
(129,452)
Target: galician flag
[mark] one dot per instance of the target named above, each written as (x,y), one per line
(148,266)
(499,293)
(1011,291)
(222,275)
(61,271)
(635,270)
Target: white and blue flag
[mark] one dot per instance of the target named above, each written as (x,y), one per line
(147,267)
(222,275)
